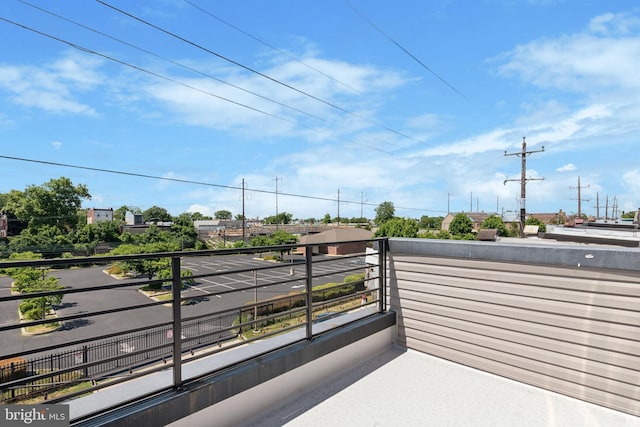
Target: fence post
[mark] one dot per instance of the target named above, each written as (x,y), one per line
(309,288)
(176,285)
(85,357)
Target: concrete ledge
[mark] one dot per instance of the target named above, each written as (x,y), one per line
(204,392)
(617,258)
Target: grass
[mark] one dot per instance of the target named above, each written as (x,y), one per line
(296,319)
(41,329)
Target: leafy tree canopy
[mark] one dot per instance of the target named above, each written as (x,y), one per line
(431,222)
(281,218)
(398,227)
(156,213)
(222,214)
(461,225)
(197,216)
(494,221)
(278,238)
(384,212)
(54,203)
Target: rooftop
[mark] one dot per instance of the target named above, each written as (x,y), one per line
(414,389)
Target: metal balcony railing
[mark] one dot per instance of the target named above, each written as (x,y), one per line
(100,329)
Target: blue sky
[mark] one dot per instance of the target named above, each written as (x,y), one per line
(411,102)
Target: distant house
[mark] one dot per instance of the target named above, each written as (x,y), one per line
(95,215)
(133,219)
(550,218)
(477,218)
(337,241)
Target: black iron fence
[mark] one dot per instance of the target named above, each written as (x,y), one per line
(228,292)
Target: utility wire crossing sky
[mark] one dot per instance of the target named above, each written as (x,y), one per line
(348,103)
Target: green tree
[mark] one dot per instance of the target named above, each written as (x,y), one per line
(30,280)
(183,231)
(54,203)
(47,240)
(282,238)
(197,216)
(222,214)
(156,213)
(430,222)
(359,220)
(281,218)
(384,212)
(461,225)
(398,227)
(326,219)
(260,241)
(495,222)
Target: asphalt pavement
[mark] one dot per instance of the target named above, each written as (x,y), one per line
(205,293)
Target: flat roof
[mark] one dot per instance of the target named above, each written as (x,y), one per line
(410,388)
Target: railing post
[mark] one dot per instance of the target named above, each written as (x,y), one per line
(382,274)
(176,285)
(309,287)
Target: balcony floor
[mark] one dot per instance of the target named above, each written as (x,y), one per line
(414,389)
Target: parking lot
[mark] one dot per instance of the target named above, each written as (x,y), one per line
(208,294)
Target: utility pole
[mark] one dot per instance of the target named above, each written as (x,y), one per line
(244,221)
(598,206)
(338,207)
(579,187)
(277,220)
(523,179)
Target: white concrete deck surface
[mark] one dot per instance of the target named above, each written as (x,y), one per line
(398,388)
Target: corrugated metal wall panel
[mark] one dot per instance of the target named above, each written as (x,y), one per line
(568,330)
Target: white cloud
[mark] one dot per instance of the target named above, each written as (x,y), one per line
(567,168)
(204,210)
(317,109)
(54,87)
(596,59)
(56,145)
(615,24)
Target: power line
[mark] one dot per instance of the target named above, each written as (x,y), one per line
(188,86)
(155,55)
(280,51)
(144,70)
(388,37)
(252,70)
(186,181)
(236,63)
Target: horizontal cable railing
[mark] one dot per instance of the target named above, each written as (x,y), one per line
(98,326)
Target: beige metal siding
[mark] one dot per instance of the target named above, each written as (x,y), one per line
(570,330)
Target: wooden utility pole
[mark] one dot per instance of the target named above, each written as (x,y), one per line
(244,221)
(338,207)
(523,179)
(579,187)
(276,180)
